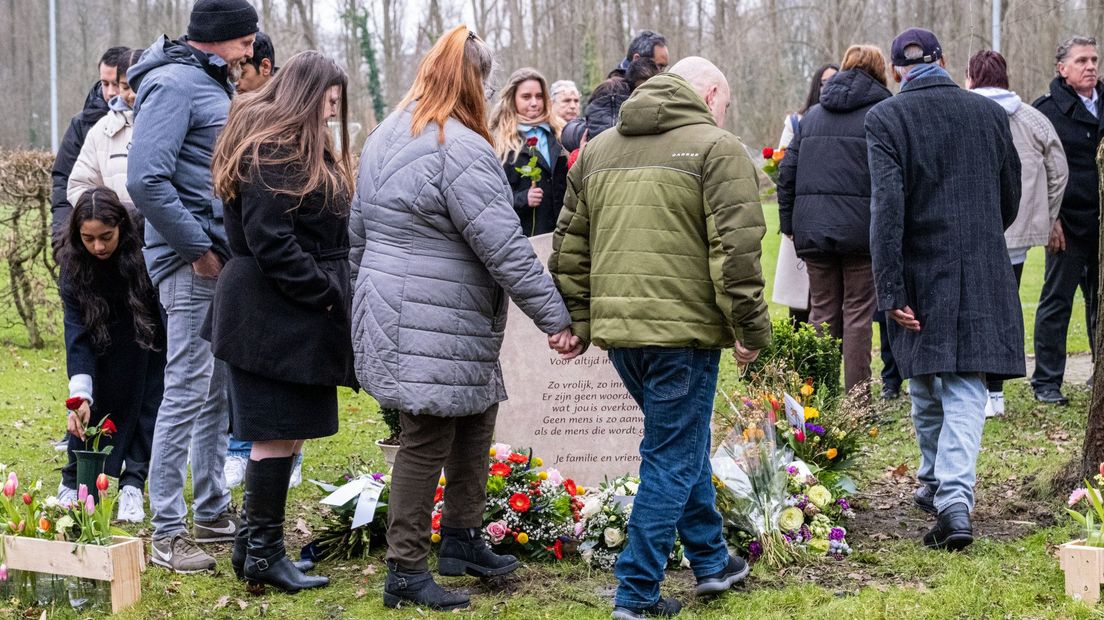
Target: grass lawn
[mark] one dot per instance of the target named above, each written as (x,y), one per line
(1009,573)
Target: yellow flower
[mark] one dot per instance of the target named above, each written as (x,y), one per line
(492,451)
(873,431)
(435,538)
(806,390)
(811,412)
(543,475)
(523,538)
(579,490)
(831,453)
(537,462)
(441,482)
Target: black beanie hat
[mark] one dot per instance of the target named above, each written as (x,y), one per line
(221,20)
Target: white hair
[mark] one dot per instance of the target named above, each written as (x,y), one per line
(560,87)
(912,52)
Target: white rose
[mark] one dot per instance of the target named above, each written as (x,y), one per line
(591,507)
(631,486)
(52,502)
(613,537)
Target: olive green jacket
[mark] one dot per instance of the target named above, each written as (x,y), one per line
(659,240)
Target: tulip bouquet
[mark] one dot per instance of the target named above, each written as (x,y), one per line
(23,509)
(529,509)
(606,516)
(1093,518)
(773,157)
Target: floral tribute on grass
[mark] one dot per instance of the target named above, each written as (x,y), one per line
(606,513)
(1092,520)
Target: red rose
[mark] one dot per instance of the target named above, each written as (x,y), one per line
(109,427)
(768,152)
(435,522)
(72,404)
(501,470)
(569,485)
(439,495)
(520,459)
(531,142)
(519,502)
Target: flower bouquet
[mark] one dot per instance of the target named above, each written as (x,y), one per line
(356,519)
(812,514)
(773,157)
(606,515)
(1093,518)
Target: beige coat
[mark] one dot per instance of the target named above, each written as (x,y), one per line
(103,158)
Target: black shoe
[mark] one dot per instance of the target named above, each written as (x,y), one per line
(665,608)
(241,542)
(1051,396)
(463,551)
(727,577)
(953,531)
(266,562)
(924,499)
(419,588)
(891,392)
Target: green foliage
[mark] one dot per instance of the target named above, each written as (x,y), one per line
(808,353)
(391,419)
(359,20)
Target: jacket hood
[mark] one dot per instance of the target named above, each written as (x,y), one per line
(94,104)
(851,90)
(661,104)
(166,52)
(1007,99)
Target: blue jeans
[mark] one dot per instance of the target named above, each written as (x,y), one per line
(948,410)
(675,389)
(237,447)
(193,416)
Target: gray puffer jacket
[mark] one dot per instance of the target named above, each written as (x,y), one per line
(435,249)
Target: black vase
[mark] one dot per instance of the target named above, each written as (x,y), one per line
(90,464)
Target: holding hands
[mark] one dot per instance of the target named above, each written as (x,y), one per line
(566,343)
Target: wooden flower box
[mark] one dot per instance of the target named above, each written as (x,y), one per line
(120,563)
(1084,568)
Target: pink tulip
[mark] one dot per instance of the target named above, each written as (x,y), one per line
(3,572)
(22,525)
(90,504)
(82,492)
(9,488)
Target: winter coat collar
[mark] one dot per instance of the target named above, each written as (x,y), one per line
(94,104)
(1070,104)
(166,51)
(935,81)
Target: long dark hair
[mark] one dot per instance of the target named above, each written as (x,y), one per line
(83,272)
(813,97)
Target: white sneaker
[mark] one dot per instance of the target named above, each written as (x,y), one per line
(131,503)
(994,406)
(234,470)
(66,495)
(297,472)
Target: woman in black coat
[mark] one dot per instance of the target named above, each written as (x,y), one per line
(114,343)
(524,128)
(280,313)
(824,205)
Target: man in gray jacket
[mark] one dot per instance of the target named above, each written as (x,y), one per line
(184,89)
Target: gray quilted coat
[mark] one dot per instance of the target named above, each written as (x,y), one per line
(435,249)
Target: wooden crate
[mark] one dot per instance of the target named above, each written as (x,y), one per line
(1084,568)
(120,563)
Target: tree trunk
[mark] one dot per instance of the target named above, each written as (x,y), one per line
(1093,450)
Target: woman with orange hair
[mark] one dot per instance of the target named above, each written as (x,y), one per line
(435,250)
(524,128)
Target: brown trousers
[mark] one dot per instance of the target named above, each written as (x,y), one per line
(842,294)
(427,444)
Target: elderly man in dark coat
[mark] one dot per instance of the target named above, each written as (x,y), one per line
(945,183)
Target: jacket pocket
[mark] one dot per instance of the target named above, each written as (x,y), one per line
(500,307)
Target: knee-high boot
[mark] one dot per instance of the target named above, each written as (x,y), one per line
(266,561)
(241,542)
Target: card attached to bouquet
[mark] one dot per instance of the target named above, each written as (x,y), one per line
(366,505)
(795,413)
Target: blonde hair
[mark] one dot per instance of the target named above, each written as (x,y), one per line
(868,58)
(504,118)
(450,83)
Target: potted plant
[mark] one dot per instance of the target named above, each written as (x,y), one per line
(90,463)
(390,445)
(1083,560)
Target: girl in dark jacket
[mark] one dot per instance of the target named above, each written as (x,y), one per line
(523,128)
(279,318)
(114,342)
(824,205)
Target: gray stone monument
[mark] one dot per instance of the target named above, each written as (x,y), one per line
(575,414)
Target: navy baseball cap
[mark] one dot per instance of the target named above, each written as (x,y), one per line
(925,39)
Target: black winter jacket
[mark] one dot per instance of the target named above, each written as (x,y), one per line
(824,179)
(542,219)
(281,307)
(1080,134)
(94,109)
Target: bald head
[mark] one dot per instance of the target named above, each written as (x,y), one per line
(708,81)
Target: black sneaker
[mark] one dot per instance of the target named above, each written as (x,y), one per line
(924,499)
(1051,396)
(953,531)
(891,392)
(665,608)
(727,577)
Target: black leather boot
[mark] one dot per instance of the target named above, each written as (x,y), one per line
(418,588)
(241,541)
(266,561)
(953,530)
(463,551)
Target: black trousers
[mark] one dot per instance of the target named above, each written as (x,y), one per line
(1077,266)
(891,375)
